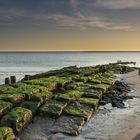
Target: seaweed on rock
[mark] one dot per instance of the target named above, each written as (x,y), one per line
(31,105)
(17,119)
(4,107)
(6,133)
(90,101)
(69,96)
(13,98)
(52,108)
(79,109)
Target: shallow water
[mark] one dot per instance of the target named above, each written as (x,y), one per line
(20,64)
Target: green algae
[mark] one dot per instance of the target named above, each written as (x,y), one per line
(17,118)
(4,89)
(4,107)
(102,87)
(90,101)
(31,105)
(42,97)
(52,108)
(72,85)
(6,133)
(94,80)
(13,98)
(79,110)
(69,96)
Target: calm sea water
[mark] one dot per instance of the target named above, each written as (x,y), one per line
(20,64)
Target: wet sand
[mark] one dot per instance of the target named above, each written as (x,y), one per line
(107,124)
(132,132)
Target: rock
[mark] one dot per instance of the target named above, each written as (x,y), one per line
(52,108)
(118,104)
(6,133)
(79,109)
(4,107)
(68,125)
(31,105)
(71,95)
(13,98)
(17,119)
(103,102)
(97,94)
(90,101)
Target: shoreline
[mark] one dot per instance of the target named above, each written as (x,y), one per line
(133,131)
(126,124)
(69,97)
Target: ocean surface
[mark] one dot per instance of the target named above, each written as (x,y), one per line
(19,64)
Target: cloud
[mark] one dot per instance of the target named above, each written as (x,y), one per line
(13,17)
(74,3)
(86,22)
(118,4)
(12,13)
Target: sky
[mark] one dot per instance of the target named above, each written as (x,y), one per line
(69,25)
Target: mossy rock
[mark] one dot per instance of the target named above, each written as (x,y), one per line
(90,101)
(102,87)
(92,93)
(72,85)
(49,82)
(17,119)
(6,133)
(42,97)
(25,90)
(52,108)
(78,109)
(69,96)
(4,107)
(4,89)
(108,81)
(79,79)
(93,80)
(13,98)
(31,105)
(19,85)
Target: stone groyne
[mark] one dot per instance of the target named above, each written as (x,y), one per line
(70,95)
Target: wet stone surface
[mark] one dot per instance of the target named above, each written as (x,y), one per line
(68,125)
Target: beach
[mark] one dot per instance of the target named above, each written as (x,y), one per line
(132,129)
(107,124)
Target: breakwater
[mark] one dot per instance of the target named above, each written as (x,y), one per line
(70,95)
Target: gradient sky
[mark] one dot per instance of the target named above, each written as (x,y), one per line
(60,25)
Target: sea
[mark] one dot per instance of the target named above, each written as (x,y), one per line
(21,63)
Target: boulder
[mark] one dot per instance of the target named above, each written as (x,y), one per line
(4,107)
(102,87)
(17,119)
(69,96)
(13,98)
(42,97)
(6,133)
(90,101)
(70,125)
(80,110)
(31,105)
(52,108)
